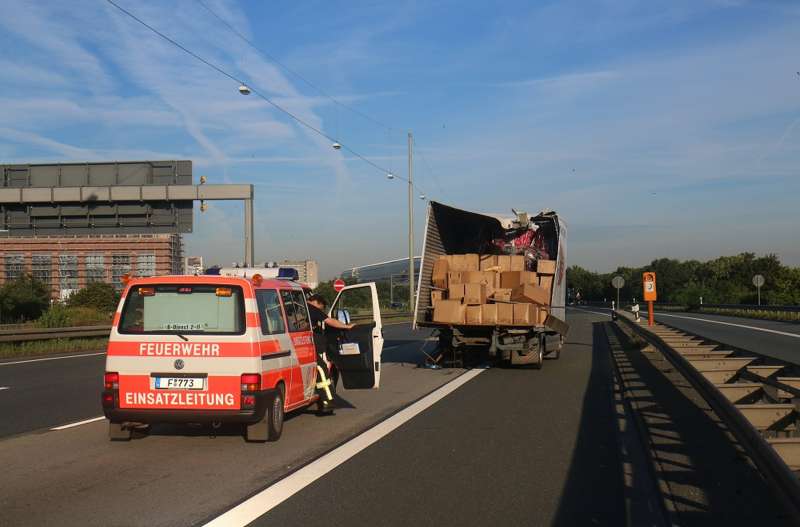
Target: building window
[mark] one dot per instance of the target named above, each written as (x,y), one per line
(68,271)
(15,265)
(120,266)
(145,264)
(42,268)
(95,268)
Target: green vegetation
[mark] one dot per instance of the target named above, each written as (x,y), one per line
(360,299)
(49,347)
(61,316)
(99,296)
(724,280)
(22,299)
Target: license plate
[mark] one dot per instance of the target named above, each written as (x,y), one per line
(180,383)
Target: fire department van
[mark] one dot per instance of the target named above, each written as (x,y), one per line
(217,349)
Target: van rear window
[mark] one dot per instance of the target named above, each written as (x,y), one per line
(180,309)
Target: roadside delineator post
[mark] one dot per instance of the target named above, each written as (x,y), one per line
(649,288)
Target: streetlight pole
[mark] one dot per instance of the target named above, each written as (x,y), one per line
(410,224)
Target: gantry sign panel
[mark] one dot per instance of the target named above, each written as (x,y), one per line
(53,209)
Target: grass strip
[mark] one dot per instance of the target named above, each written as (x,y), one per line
(51,347)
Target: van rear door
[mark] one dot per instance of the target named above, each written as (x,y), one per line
(182,346)
(357,352)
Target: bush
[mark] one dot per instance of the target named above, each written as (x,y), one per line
(24,298)
(98,295)
(61,316)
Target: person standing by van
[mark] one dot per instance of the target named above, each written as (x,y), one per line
(319,321)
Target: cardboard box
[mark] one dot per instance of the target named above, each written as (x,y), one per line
(436,296)
(456,292)
(457,262)
(488,261)
(474,314)
(504,262)
(472,262)
(474,294)
(449,312)
(489,314)
(524,314)
(546,266)
(502,295)
(439,275)
(541,315)
(512,279)
(546,281)
(454,277)
(505,314)
(531,293)
(517,262)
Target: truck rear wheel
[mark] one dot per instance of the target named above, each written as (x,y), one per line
(539,352)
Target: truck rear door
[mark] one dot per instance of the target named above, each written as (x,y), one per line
(356,352)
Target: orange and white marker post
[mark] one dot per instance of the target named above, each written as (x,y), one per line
(649,287)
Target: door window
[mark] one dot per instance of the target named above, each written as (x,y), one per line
(294,302)
(269,308)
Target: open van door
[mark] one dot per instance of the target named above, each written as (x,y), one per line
(356,352)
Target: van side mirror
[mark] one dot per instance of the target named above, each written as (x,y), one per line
(343,316)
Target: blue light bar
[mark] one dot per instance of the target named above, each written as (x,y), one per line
(288,273)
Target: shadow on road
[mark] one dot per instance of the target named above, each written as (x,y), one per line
(593,492)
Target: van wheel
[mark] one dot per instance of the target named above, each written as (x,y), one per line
(270,427)
(116,432)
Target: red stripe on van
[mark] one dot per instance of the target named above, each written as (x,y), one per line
(221,393)
(150,348)
(251,320)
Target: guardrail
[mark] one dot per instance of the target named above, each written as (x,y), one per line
(751,307)
(30,334)
(736,385)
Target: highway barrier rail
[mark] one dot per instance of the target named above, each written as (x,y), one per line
(757,397)
(31,334)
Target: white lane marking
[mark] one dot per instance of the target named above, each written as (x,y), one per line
(79,423)
(52,358)
(276,494)
(590,311)
(754,328)
(4,388)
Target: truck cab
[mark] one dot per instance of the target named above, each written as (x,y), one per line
(218,349)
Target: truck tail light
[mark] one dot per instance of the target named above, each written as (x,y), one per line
(111,381)
(251,382)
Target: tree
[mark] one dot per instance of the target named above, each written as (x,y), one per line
(97,295)
(24,298)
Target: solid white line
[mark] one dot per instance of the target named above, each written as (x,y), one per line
(52,358)
(784,333)
(79,423)
(276,494)
(590,311)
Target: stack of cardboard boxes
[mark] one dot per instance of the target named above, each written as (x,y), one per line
(490,290)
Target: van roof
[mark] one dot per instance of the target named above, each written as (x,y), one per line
(271,283)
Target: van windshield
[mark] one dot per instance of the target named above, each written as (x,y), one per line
(183,309)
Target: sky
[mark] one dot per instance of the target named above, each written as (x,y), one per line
(655,128)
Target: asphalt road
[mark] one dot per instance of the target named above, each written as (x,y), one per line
(780,340)
(510,446)
(50,392)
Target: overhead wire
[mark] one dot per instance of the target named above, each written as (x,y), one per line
(427,165)
(258,93)
(291,71)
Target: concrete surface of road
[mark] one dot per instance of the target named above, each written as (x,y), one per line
(780,340)
(511,446)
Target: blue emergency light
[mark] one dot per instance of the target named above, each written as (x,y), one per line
(288,273)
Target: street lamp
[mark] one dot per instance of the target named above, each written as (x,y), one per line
(244,90)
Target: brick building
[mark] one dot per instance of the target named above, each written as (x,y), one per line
(69,263)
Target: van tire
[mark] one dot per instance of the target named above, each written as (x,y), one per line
(270,427)
(116,432)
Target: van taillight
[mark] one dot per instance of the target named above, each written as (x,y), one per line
(251,382)
(111,381)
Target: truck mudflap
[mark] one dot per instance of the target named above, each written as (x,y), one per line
(556,324)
